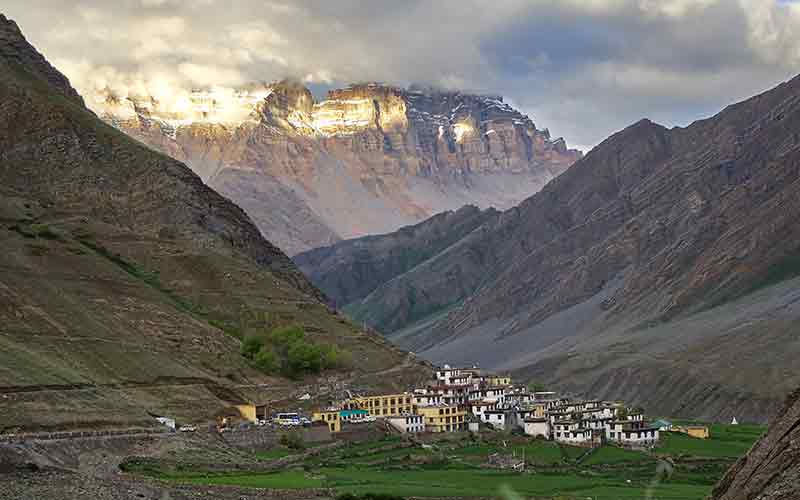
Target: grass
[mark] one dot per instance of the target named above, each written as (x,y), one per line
(453,469)
(273,453)
(614,455)
(284,480)
(726,441)
(33,231)
(537,452)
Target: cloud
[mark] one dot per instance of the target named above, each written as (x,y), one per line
(583,68)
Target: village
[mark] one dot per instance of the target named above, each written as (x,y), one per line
(467,431)
(469,399)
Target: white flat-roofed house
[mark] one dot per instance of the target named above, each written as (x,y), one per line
(555,416)
(422,397)
(520,398)
(408,423)
(479,408)
(600,412)
(477,394)
(635,416)
(452,394)
(497,393)
(464,378)
(537,427)
(496,418)
(576,436)
(448,375)
(521,414)
(632,433)
(598,424)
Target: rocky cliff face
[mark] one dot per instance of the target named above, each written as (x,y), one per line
(368,159)
(663,258)
(771,470)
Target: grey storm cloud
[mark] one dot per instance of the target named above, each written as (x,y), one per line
(583,68)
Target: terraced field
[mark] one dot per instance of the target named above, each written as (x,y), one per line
(683,468)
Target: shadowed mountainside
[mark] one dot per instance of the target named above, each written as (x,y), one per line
(125,280)
(660,249)
(351,270)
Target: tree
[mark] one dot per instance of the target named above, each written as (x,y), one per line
(536,387)
(303,357)
(287,335)
(266,360)
(251,346)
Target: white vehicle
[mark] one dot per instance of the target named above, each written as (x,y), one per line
(287,419)
(188,428)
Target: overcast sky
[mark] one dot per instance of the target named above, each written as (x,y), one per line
(583,68)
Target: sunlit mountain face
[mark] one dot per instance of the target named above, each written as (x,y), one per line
(344,111)
(367,159)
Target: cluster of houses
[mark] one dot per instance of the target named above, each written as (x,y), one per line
(463,399)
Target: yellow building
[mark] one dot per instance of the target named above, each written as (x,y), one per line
(498,380)
(382,406)
(248,412)
(443,418)
(539,409)
(695,431)
(330,417)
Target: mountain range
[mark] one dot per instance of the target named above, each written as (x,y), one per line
(368,159)
(126,284)
(661,267)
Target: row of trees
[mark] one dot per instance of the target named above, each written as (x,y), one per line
(287,351)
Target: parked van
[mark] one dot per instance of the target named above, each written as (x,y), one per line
(287,419)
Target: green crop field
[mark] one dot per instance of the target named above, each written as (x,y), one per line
(614,455)
(457,468)
(274,453)
(726,441)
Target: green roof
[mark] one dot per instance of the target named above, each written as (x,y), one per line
(350,413)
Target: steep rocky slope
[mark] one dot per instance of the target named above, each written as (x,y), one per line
(352,269)
(124,279)
(660,259)
(771,470)
(368,159)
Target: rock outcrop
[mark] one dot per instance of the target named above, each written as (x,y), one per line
(368,159)
(771,469)
(663,258)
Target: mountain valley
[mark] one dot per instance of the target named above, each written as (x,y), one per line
(663,258)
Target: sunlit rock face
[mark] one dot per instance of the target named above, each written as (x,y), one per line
(367,159)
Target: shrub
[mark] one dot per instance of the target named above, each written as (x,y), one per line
(303,357)
(287,349)
(536,387)
(286,336)
(252,346)
(266,360)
